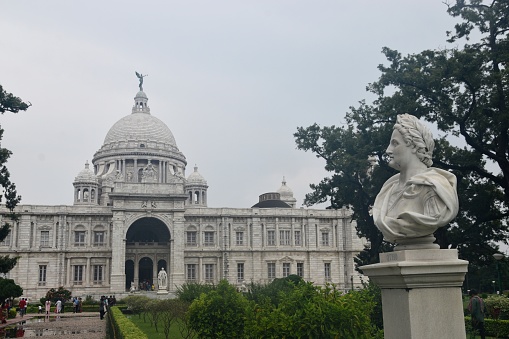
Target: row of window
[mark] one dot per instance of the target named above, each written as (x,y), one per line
(77,278)
(209,269)
(285,238)
(98,238)
(79,239)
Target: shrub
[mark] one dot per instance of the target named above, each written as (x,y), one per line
(192,290)
(494,328)
(125,327)
(219,313)
(61,293)
(310,311)
(498,306)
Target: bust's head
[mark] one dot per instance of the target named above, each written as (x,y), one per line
(417,136)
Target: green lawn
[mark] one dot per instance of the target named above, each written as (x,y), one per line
(150,331)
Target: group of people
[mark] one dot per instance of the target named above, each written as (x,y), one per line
(104,304)
(77,304)
(146,285)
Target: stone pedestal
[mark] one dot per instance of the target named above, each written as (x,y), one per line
(162,291)
(421,293)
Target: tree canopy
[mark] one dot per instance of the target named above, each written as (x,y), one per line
(462,91)
(8,193)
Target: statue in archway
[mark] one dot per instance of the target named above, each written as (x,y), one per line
(162,279)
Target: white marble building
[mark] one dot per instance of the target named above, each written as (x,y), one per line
(135,212)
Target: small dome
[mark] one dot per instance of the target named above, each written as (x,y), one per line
(141,94)
(86,175)
(285,191)
(196,178)
(271,204)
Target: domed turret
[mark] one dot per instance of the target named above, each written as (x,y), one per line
(86,187)
(286,194)
(196,188)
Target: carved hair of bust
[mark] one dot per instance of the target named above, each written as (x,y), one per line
(417,135)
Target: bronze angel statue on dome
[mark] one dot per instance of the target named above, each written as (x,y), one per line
(140,77)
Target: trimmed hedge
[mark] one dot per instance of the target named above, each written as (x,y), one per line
(123,327)
(494,328)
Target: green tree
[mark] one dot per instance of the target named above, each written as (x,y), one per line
(8,194)
(219,314)
(463,92)
(9,289)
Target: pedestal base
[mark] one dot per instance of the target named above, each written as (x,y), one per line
(421,293)
(162,291)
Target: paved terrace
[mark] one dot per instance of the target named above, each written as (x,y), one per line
(63,326)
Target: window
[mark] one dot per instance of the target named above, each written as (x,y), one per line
(191,238)
(42,274)
(191,272)
(239,238)
(271,270)
(240,272)
(78,275)
(297,238)
(98,274)
(271,238)
(79,238)
(209,272)
(325,238)
(209,239)
(44,238)
(286,269)
(284,238)
(326,269)
(99,238)
(300,269)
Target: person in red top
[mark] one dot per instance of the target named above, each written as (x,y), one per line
(21,305)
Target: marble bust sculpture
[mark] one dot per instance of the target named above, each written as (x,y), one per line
(413,204)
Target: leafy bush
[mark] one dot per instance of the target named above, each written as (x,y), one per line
(124,326)
(498,306)
(493,328)
(136,303)
(219,313)
(272,292)
(310,311)
(192,290)
(60,294)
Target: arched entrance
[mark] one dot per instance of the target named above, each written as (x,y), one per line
(129,274)
(148,248)
(162,264)
(145,274)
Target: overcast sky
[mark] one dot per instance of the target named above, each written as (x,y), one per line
(232,80)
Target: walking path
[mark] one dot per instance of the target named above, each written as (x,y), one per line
(63,326)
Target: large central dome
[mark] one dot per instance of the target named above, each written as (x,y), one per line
(139,133)
(140,127)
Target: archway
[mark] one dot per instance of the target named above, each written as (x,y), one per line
(148,246)
(162,264)
(129,273)
(145,273)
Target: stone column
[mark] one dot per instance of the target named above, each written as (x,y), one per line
(136,272)
(118,254)
(421,293)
